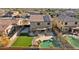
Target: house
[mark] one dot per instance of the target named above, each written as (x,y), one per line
(35,24)
(40,23)
(70,13)
(68,22)
(8,14)
(7,25)
(14,14)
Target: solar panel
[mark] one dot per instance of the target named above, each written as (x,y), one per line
(46,18)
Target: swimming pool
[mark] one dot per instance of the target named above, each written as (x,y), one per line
(50,43)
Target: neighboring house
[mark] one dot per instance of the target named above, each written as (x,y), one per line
(7,25)
(68,22)
(8,14)
(23,22)
(14,14)
(40,23)
(70,13)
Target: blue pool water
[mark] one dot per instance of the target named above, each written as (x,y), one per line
(49,43)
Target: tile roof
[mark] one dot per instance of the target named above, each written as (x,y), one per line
(67,18)
(38,18)
(5,23)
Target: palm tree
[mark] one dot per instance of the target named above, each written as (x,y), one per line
(56,26)
(56,23)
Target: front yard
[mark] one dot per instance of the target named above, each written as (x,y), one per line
(23,41)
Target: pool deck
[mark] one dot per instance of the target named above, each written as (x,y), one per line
(43,38)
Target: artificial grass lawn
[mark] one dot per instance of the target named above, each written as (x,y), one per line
(23,41)
(73,41)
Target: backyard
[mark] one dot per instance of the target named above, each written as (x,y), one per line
(73,41)
(23,41)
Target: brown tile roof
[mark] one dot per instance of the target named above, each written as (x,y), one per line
(5,23)
(38,18)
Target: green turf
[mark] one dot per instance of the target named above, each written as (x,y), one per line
(73,41)
(23,41)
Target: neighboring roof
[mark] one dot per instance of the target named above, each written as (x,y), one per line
(5,23)
(34,13)
(38,18)
(67,18)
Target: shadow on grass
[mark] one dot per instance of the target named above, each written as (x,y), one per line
(25,34)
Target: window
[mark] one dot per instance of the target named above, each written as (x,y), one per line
(38,23)
(76,23)
(48,23)
(66,29)
(66,23)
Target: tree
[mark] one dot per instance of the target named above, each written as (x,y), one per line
(56,23)
(5,40)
